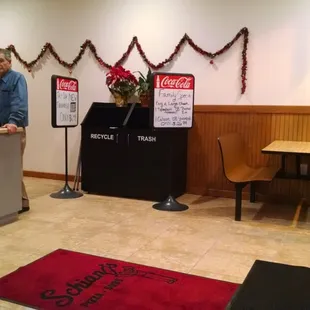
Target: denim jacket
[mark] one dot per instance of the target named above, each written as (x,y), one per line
(13,99)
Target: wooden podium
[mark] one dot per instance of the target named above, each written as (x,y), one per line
(10,175)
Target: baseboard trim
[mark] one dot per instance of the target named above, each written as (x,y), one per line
(202,191)
(47,175)
(192,190)
(220,193)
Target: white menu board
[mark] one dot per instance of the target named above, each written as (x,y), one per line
(173,105)
(65,103)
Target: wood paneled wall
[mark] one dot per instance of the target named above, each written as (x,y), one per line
(259,126)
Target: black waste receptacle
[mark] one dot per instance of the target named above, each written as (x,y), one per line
(135,161)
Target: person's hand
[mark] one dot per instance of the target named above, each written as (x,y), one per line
(12,128)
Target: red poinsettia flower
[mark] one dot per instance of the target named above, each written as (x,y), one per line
(117,74)
(121,81)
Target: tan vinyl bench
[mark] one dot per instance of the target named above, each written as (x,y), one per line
(238,172)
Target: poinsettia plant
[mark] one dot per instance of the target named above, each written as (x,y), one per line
(121,81)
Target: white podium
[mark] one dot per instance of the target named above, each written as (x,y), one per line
(10,175)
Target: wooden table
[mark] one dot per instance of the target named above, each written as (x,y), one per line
(284,148)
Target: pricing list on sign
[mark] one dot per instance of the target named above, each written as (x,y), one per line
(173,101)
(66,102)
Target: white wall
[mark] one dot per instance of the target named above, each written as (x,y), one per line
(278,54)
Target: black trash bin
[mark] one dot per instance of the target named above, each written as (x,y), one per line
(135,161)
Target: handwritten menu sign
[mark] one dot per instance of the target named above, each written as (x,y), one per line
(173,102)
(65,95)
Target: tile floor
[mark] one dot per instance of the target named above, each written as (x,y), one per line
(205,240)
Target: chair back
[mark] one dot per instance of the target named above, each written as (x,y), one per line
(232,152)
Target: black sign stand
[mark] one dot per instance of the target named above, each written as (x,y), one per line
(66,192)
(129,114)
(170,203)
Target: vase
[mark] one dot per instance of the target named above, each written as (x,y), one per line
(145,99)
(120,101)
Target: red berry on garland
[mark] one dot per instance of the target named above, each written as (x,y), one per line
(211,62)
(29,69)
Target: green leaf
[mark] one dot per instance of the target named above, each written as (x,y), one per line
(140,74)
(149,75)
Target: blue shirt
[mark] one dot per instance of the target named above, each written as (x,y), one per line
(13,99)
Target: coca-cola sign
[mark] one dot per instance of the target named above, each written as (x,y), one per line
(174,82)
(67,85)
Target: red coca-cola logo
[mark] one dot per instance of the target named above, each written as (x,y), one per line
(69,85)
(170,81)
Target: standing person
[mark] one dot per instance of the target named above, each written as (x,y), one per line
(14,107)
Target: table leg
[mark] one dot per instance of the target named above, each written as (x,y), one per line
(283,161)
(252,192)
(298,165)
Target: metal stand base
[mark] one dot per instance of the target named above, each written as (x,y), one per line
(170,204)
(66,193)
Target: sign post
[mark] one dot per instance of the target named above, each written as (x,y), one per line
(65,110)
(172,109)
